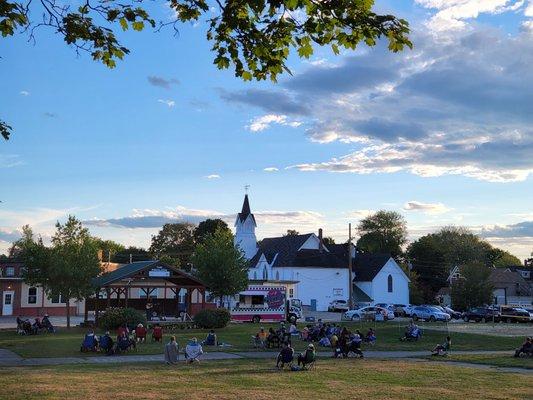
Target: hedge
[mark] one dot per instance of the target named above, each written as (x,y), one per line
(212,319)
(115,317)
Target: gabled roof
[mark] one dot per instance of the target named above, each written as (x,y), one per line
(285,247)
(246,211)
(367,266)
(505,276)
(129,270)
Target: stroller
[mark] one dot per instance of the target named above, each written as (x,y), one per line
(24,326)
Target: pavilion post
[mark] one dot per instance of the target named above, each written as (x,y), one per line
(86,311)
(126,295)
(96,309)
(108,294)
(189,301)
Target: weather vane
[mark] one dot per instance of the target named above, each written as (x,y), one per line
(246,187)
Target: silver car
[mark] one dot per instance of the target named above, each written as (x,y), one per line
(427,313)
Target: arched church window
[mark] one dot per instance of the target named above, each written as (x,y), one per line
(389,284)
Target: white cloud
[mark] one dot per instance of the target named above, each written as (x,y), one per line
(169,103)
(428,208)
(24,93)
(528,12)
(451,14)
(270,169)
(259,124)
(10,160)
(213,176)
(360,214)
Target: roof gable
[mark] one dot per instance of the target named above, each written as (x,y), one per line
(367,266)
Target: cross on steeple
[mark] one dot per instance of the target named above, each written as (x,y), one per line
(246,188)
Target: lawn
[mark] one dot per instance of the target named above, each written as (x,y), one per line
(490,359)
(67,343)
(257,379)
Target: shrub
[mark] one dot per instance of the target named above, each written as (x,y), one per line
(115,317)
(212,319)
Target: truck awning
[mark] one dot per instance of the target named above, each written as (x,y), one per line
(253,293)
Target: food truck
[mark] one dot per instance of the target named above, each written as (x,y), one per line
(266,304)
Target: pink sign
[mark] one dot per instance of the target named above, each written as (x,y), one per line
(275,298)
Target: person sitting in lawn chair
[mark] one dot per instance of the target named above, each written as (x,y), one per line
(354,345)
(370,337)
(157,333)
(37,326)
(193,351)
(140,333)
(124,343)
(47,324)
(442,349)
(211,339)
(526,348)
(90,342)
(260,339)
(24,326)
(106,344)
(307,358)
(412,332)
(285,356)
(172,351)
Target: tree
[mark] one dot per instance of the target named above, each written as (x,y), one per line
(474,288)
(292,232)
(382,232)
(434,255)
(254,37)
(174,244)
(65,269)
(220,265)
(501,258)
(15,251)
(208,227)
(136,253)
(109,248)
(328,240)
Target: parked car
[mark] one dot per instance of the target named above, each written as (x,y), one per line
(400,309)
(338,305)
(408,310)
(454,314)
(429,313)
(530,311)
(482,314)
(367,313)
(514,314)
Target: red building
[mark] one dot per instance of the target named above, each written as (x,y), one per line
(18,298)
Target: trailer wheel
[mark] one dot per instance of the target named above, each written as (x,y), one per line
(256,319)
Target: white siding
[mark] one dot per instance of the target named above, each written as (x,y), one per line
(400,285)
(317,283)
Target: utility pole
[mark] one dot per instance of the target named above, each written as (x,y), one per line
(350,281)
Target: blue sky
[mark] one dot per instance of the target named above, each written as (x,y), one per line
(441,134)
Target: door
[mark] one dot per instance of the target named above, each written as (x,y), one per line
(313,304)
(7,303)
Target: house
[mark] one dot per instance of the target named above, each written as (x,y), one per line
(511,286)
(317,273)
(18,298)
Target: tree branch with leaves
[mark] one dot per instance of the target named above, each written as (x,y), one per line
(253,37)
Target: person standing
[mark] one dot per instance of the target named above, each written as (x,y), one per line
(172,351)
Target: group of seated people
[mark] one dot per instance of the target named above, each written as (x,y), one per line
(126,339)
(412,332)
(526,349)
(25,327)
(286,356)
(274,338)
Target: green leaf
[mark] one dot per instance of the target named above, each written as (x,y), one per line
(123,24)
(138,25)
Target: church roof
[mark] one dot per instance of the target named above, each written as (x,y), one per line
(366,266)
(245,212)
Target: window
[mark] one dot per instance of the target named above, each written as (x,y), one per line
(56,299)
(255,275)
(10,271)
(291,292)
(32,295)
(265,273)
(153,294)
(258,300)
(277,275)
(389,284)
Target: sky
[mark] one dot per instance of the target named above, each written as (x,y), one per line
(441,133)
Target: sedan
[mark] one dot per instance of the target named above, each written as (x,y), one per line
(481,314)
(429,314)
(368,313)
(338,305)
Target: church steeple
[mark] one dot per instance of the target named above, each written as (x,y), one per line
(245,230)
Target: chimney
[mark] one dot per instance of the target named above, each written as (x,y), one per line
(321,244)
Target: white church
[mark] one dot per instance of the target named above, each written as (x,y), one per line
(317,273)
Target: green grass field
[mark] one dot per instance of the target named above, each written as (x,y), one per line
(257,379)
(490,359)
(67,343)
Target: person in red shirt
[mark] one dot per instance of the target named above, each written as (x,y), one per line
(122,329)
(140,333)
(157,333)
